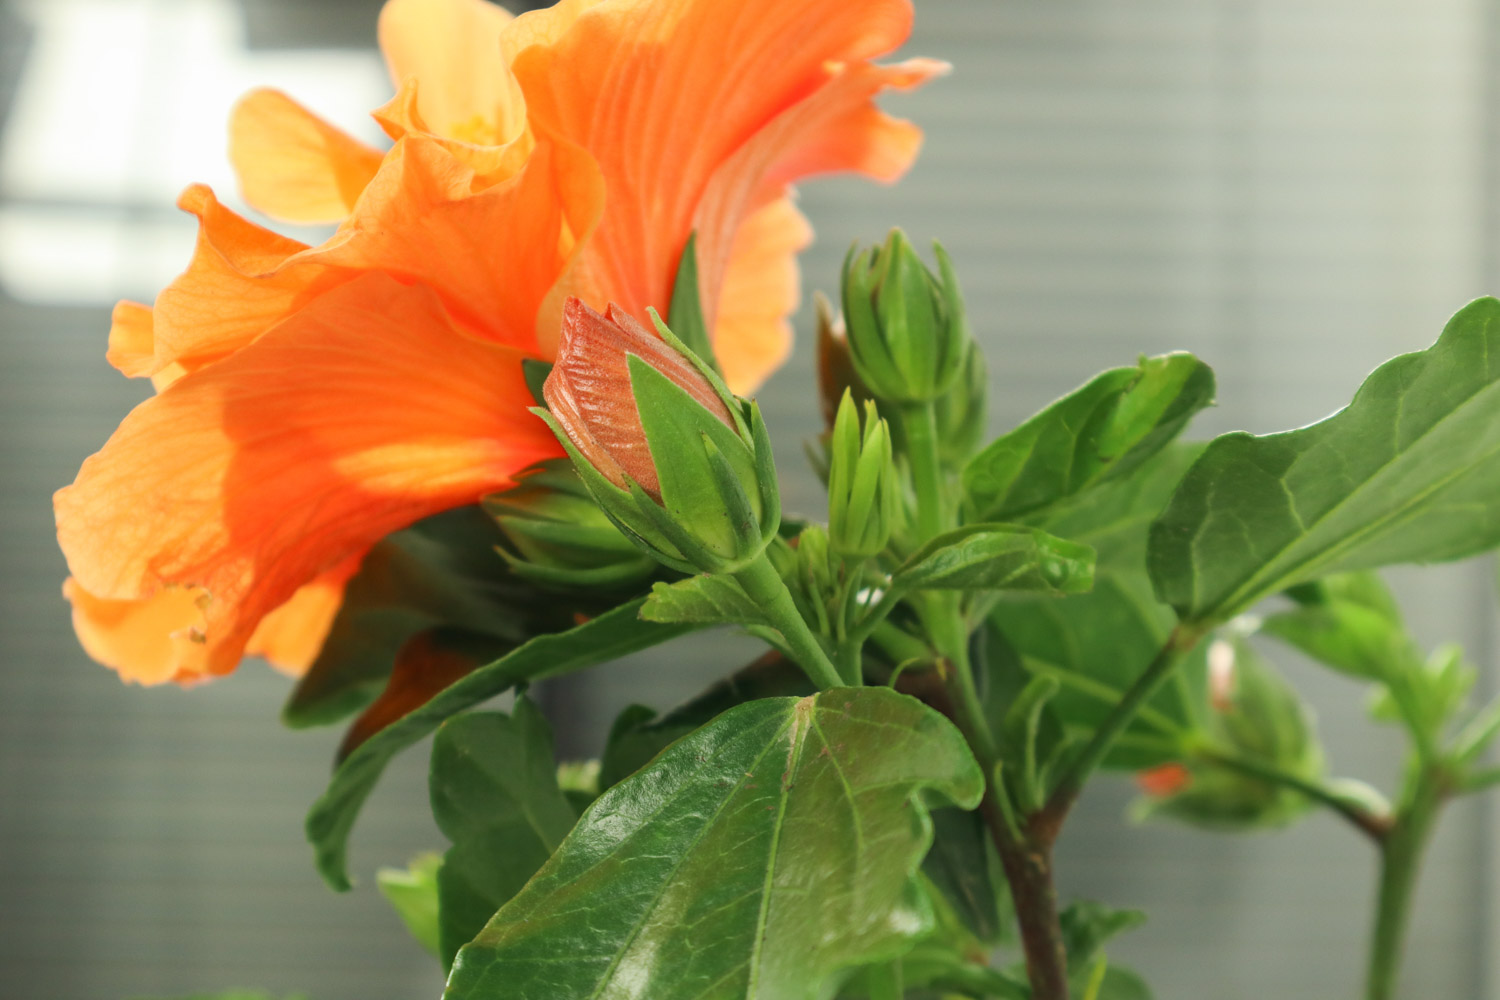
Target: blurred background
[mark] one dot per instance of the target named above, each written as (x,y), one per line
(1293,189)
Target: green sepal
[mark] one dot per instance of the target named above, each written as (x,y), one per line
(685,314)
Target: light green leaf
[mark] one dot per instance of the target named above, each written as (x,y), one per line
(758,857)
(495,795)
(413,894)
(1103,429)
(1409,472)
(685,314)
(1348,622)
(613,634)
(998,557)
(1087,925)
(710,599)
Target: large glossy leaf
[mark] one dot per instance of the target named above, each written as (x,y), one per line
(758,857)
(1409,472)
(613,634)
(495,795)
(442,572)
(1103,429)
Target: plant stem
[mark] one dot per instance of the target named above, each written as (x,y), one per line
(1049,820)
(1400,860)
(1377,826)
(926,469)
(763,586)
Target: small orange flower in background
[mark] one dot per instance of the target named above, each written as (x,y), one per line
(312,400)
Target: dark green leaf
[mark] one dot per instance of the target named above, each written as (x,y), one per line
(535,372)
(495,795)
(638,735)
(413,894)
(1100,430)
(998,557)
(613,634)
(758,857)
(962,866)
(1086,926)
(440,572)
(702,600)
(1409,472)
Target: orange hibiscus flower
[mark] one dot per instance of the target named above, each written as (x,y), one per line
(312,400)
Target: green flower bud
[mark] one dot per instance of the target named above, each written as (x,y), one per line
(557,535)
(908,336)
(962,411)
(863,497)
(678,463)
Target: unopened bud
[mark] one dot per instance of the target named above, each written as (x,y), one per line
(908,336)
(962,412)
(680,464)
(863,497)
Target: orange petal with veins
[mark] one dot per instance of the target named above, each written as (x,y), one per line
(293,165)
(762,286)
(367,410)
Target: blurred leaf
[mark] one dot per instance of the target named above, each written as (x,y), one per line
(998,557)
(961,865)
(413,894)
(1086,926)
(1103,429)
(495,796)
(440,572)
(613,634)
(691,878)
(1408,472)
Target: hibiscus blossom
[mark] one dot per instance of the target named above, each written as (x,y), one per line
(312,400)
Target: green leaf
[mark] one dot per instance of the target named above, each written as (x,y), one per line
(440,572)
(1409,472)
(1086,926)
(496,797)
(758,857)
(1101,430)
(413,894)
(1348,622)
(638,734)
(1121,984)
(613,634)
(962,866)
(998,557)
(535,373)
(709,599)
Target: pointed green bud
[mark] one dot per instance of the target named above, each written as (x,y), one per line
(961,412)
(678,463)
(908,334)
(863,501)
(557,535)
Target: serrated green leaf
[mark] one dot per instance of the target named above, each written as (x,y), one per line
(1408,472)
(1101,430)
(998,557)
(440,572)
(413,893)
(495,796)
(709,599)
(691,878)
(613,634)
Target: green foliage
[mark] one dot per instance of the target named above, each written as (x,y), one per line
(1407,473)
(611,635)
(998,557)
(863,490)
(685,314)
(691,878)
(701,600)
(440,572)
(1086,926)
(413,894)
(495,795)
(962,866)
(1098,431)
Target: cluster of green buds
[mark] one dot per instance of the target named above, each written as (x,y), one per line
(676,461)
(558,536)
(864,497)
(908,335)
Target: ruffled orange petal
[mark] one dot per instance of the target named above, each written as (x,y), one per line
(673,98)
(761,288)
(293,165)
(452,47)
(241,281)
(402,116)
(362,413)
(493,254)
